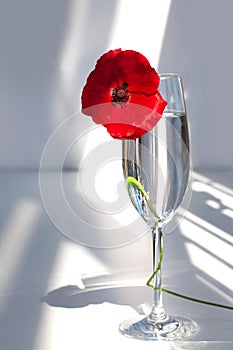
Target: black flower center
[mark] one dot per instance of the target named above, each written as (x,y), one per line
(120,95)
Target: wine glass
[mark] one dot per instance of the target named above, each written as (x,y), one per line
(156,169)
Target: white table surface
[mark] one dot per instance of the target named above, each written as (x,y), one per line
(58,294)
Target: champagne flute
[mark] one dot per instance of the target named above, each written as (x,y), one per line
(156,168)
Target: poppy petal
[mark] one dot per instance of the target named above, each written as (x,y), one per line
(133,68)
(128,72)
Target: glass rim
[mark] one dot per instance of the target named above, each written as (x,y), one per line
(170,75)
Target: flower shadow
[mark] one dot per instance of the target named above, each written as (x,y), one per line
(71,296)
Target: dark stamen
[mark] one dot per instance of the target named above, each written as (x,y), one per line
(125,85)
(120,95)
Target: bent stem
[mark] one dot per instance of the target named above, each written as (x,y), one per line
(131,181)
(155,280)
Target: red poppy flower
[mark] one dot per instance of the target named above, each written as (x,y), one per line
(122,94)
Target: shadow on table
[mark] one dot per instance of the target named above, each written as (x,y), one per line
(72,296)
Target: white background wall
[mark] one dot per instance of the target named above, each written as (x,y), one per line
(48,48)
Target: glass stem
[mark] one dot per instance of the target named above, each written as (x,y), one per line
(158,312)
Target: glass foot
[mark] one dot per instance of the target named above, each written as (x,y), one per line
(168,329)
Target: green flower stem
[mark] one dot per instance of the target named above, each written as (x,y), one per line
(131,181)
(197,300)
(148,283)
